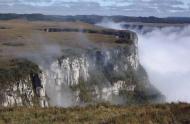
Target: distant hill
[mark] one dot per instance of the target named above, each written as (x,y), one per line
(94,18)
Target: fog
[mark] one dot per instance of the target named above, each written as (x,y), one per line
(40,51)
(165,54)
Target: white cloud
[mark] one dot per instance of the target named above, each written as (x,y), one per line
(38,2)
(58,2)
(127,7)
(165,55)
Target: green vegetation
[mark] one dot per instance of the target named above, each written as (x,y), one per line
(18,69)
(85,94)
(99,114)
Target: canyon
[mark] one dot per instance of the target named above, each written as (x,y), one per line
(71,64)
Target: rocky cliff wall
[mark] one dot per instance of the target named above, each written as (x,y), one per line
(84,76)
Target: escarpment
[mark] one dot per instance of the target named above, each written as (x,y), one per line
(94,65)
(17,87)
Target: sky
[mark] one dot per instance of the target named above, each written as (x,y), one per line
(159,8)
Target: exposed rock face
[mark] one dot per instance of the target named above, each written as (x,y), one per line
(85,76)
(23,94)
(101,72)
(17,88)
(99,75)
(20,94)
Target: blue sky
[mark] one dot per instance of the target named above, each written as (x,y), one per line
(160,8)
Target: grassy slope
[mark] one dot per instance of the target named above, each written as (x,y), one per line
(99,114)
(20,36)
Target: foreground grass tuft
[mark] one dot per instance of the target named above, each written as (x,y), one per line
(99,114)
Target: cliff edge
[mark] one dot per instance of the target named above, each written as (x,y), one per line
(69,64)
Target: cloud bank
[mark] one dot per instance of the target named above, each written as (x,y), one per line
(100,7)
(165,55)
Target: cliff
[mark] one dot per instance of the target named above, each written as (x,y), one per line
(93,65)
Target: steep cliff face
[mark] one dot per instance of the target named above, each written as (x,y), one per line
(17,88)
(108,74)
(91,75)
(20,93)
(99,73)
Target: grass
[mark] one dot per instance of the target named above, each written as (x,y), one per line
(18,69)
(99,114)
(27,37)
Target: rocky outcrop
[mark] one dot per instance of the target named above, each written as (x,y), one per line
(84,76)
(98,72)
(17,88)
(22,93)
(108,74)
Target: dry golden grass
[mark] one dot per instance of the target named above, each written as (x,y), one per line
(21,36)
(99,114)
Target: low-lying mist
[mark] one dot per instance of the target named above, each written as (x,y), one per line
(165,54)
(40,51)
